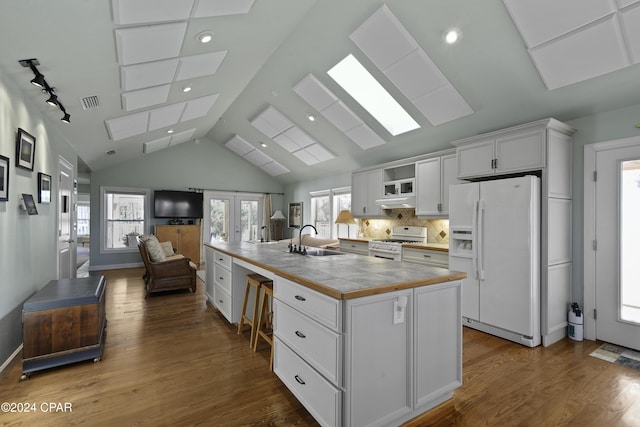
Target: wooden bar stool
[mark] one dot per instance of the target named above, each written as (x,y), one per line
(253,281)
(265,317)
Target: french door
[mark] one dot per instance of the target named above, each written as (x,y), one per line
(66,242)
(616,246)
(232,216)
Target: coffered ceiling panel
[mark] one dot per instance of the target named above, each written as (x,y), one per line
(145,97)
(592,51)
(271,122)
(293,139)
(198,107)
(391,48)
(257,157)
(155,145)
(165,116)
(149,43)
(542,20)
(274,168)
(631,27)
(143,11)
(124,127)
(338,113)
(148,74)
(206,8)
(200,65)
(239,145)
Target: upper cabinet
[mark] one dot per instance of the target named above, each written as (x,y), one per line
(502,154)
(433,177)
(366,188)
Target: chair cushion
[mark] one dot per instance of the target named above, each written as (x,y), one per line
(167,248)
(156,253)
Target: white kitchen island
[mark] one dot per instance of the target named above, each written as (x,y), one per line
(360,341)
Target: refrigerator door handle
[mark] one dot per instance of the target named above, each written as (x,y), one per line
(480,232)
(474,241)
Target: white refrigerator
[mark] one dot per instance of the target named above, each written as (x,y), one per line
(495,238)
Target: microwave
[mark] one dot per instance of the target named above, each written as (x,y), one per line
(401,187)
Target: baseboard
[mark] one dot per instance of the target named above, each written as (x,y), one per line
(10,359)
(115,266)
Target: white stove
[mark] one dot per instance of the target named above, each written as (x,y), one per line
(391,248)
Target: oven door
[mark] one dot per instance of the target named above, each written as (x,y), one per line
(386,254)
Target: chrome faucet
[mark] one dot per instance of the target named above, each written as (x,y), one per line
(300,235)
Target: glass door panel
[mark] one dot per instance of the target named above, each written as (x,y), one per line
(629,240)
(219,219)
(249,220)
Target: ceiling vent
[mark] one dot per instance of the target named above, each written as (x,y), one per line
(90,102)
(110,152)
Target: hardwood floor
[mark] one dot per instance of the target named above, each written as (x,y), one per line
(171,360)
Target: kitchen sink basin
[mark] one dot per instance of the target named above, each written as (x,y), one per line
(320,252)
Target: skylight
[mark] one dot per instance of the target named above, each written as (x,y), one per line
(365,89)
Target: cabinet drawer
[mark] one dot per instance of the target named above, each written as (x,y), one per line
(318,345)
(222,302)
(222,277)
(321,399)
(361,248)
(322,308)
(223,259)
(426,257)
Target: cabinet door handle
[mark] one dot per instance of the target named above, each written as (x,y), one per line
(300,334)
(496,164)
(221,278)
(300,381)
(221,302)
(427,256)
(300,298)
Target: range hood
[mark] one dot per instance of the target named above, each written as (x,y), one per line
(402,202)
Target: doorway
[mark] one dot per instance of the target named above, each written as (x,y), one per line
(66,242)
(232,217)
(612,279)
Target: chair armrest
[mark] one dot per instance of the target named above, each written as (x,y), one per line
(176,267)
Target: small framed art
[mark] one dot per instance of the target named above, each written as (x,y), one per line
(25,150)
(4,179)
(44,188)
(295,215)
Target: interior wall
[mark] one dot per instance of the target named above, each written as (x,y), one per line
(206,165)
(28,259)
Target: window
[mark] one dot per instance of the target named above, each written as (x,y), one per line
(325,207)
(124,214)
(83,220)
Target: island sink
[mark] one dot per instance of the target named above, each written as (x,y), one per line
(317,252)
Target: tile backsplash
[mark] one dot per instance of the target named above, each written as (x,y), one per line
(437,229)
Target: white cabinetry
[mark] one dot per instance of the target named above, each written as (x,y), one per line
(433,177)
(430,257)
(370,360)
(209,282)
(223,284)
(354,246)
(544,146)
(522,150)
(366,188)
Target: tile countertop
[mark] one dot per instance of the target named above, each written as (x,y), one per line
(340,276)
(444,247)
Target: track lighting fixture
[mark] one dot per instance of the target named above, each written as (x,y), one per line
(40,82)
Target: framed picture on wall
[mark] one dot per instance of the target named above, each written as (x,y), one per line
(295,215)
(44,188)
(4,179)
(25,150)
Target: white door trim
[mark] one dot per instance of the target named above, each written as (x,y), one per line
(589,224)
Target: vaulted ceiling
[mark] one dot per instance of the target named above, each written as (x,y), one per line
(121,68)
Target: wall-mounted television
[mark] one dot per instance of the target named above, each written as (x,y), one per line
(177,204)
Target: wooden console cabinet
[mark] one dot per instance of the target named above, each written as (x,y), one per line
(64,323)
(185,239)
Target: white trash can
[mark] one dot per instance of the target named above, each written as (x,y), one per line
(576,323)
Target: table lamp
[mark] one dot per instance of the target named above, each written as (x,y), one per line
(278,216)
(345,217)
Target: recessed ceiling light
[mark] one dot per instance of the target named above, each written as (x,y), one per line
(311,117)
(186,89)
(452,35)
(170,131)
(263,145)
(204,37)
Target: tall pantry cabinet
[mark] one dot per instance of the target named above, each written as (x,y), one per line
(185,239)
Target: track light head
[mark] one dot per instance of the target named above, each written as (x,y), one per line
(38,80)
(66,118)
(53,100)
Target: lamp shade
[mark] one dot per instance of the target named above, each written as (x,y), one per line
(278,215)
(345,217)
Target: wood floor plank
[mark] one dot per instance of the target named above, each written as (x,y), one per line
(171,360)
